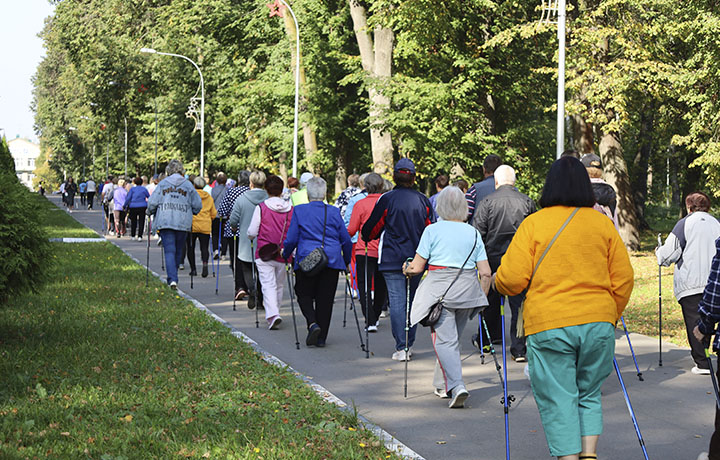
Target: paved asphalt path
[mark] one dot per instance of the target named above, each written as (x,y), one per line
(674,408)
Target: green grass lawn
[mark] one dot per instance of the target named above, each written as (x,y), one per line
(60,224)
(96,365)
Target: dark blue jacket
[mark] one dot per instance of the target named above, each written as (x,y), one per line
(400,216)
(137,197)
(306,234)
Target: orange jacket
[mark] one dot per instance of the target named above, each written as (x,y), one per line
(202,221)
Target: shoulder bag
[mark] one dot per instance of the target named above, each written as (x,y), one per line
(314,262)
(271,251)
(436,309)
(520,322)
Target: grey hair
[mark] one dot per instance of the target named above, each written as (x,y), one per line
(505,175)
(199,182)
(374,183)
(451,204)
(387,186)
(362,179)
(257,178)
(174,167)
(244,178)
(316,189)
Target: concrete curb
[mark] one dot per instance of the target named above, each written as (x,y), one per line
(77,240)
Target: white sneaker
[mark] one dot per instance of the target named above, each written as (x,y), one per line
(401,356)
(173,285)
(440,393)
(698,371)
(181,267)
(372,328)
(384,314)
(703,456)
(459,395)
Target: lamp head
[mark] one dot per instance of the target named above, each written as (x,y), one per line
(148,50)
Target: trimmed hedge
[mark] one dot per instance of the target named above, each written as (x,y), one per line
(23,243)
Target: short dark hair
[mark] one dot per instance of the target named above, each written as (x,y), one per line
(567,184)
(697,201)
(244,178)
(374,183)
(274,185)
(570,153)
(293,182)
(491,163)
(138,181)
(221,178)
(403,178)
(442,181)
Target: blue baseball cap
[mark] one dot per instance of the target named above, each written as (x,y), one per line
(405,164)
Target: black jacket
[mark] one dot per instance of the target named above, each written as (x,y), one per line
(605,195)
(498,217)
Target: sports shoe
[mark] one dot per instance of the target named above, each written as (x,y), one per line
(440,393)
(519,358)
(703,456)
(193,272)
(372,328)
(215,255)
(400,355)
(251,302)
(181,267)
(384,314)
(275,323)
(320,343)
(241,294)
(173,285)
(205,270)
(459,395)
(313,334)
(700,371)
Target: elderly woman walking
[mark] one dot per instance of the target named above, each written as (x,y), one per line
(201,228)
(173,203)
(269,225)
(317,225)
(578,278)
(119,196)
(453,249)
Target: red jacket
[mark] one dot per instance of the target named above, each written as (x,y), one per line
(360,214)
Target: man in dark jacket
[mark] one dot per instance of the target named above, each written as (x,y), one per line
(485,187)
(218,193)
(398,219)
(497,218)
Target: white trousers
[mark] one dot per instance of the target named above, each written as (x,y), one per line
(271,279)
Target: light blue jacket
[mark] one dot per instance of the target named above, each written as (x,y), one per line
(174,202)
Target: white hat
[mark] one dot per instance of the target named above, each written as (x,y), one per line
(305,177)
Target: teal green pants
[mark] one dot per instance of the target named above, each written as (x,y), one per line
(567,368)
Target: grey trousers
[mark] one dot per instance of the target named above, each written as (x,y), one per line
(446,342)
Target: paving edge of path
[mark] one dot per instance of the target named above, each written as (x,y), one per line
(390,442)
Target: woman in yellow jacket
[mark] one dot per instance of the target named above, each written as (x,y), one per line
(577,294)
(201,228)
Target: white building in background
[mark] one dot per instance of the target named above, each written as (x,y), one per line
(24,152)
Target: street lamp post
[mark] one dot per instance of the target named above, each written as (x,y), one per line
(125,119)
(156,136)
(202,102)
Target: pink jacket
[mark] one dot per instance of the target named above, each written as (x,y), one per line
(270,223)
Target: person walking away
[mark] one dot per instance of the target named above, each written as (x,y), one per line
(136,200)
(230,235)
(690,246)
(82,189)
(240,218)
(578,293)
(63,196)
(709,316)
(292,186)
(605,196)
(462,185)
(497,218)
(268,227)
(452,248)
(301,196)
(173,203)
(70,191)
(485,187)
(91,189)
(366,255)
(108,192)
(352,189)
(354,237)
(441,182)
(315,225)
(400,216)
(119,196)
(201,228)
(218,193)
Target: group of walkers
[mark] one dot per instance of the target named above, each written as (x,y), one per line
(440,261)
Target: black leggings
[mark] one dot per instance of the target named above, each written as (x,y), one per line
(691,315)
(380,296)
(316,295)
(137,220)
(204,251)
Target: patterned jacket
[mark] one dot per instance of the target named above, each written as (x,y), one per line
(709,306)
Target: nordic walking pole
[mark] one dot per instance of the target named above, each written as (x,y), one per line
(162,255)
(627,335)
(352,305)
(147,262)
(292,305)
(217,278)
(345,309)
(630,408)
(706,343)
(506,402)
(367,307)
(407,325)
(481,338)
(255,283)
(234,266)
(659,307)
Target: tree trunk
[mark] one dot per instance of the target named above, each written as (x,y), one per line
(377,63)
(641,164)
(583,135)
(615,173)
(342,170)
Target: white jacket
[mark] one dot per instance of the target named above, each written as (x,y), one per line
(691,247)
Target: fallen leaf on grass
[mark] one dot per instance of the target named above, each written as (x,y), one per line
(127,418)
(65,433)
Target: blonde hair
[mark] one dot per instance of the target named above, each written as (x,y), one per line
(257,178)
(121,183)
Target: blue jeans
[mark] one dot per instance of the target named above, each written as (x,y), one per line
(397,296)
(173,242)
